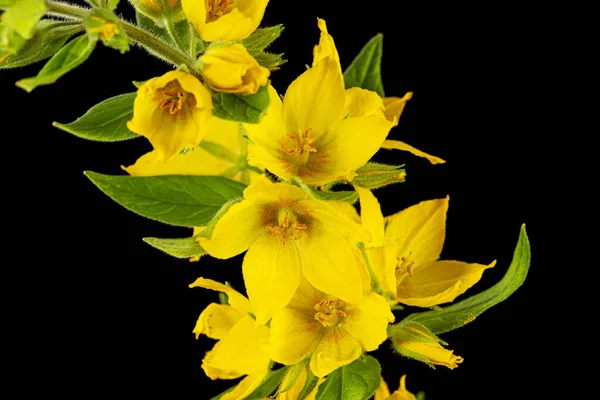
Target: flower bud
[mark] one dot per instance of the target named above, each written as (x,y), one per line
(374,175)
(231,69)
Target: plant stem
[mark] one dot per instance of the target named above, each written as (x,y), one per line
(154,45)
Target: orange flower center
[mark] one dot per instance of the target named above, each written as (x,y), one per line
(215,9)
(173,98)
(330,313)
(405,265)
(287,220)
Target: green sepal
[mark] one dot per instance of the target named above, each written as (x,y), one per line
(259,40)
(234,107)
(97,19)
(269,385)
(210,227)
(180,200)
(178,248)
(292,376)
(412,331)
(270,60)
(49,37)
(465,311)
(309,385)
(357,380)
(68,58)
(413,355)
(112,4)
(365,70)
(346,196)
(104,122)
(374,175)
(23,16)
(10,42)
(181,28)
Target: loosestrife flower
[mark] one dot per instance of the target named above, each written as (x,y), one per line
(333,331)
(231,69)
(223,151)
(238,351)
(173,112)
(287,234)
(383,393)
(216,20)
(405,250)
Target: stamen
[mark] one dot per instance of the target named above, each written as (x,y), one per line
(404,262)
(215,9)
(329,312)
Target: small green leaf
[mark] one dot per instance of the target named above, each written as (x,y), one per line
(180,200)
(68,58)
(309,385)
(268,385)
(261,38)
(356,381)
(365,70)
(23,16)
(49,37)
(234,107)
(465,311)
(179,248)
(106,121)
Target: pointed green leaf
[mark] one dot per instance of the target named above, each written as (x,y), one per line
(234,107)
(356,381)
(365,70)
(49,37)
(106,121)
(179,248)
(68,58)
(465,311)
(309,385)
(180,200)
(261,38)
(268,385)
(270,61)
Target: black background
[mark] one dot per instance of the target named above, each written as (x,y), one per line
(102,312)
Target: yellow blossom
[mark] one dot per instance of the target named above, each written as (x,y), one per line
(333,331)
(416,343)
(288,234)
(217,20)
(223,151)
(231,69)
(238,351)
(173,112)
(405,251)
(320,132)
(383,393)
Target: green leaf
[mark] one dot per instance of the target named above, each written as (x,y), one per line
(181,29)
(234,107)
(23,16)
(309,385)
(465,311)
(261,38)
(268,385)
(365,70)
(293,375)
(49,37)
(179,248)
(356,381)
(180,200)
(270,61)
(218,397)
(68,58)
(105,122)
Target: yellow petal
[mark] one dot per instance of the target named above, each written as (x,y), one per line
(383,263)
(438,282)
(370,213)
(231,26)
(245,387)
(237,301)
(435,353)
(419,230)
(267,192)
(336,349)
(402,393)
(315,100)
(306,297)
(239,353)
(196,162)
(326,46)
(271,271)
(368,321)
(347,209)
(397,145)
(394,107)
(363,103)
(294,336)
(383,392)
(217,320)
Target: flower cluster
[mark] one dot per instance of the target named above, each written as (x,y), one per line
(258,172)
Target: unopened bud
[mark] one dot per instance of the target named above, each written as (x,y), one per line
(374,175)
(104,25)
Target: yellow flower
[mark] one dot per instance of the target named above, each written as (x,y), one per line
(238,351)
(224,19)
(333,331)
(105,30)
(383,393)
(173,112)
(414,342)
(231,69)
(293,393)
(405,250)
(223,152)
(287,234)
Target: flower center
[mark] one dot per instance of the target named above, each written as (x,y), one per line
(405,265)
(173,98)
(288,226)
(330,313)
(215,9)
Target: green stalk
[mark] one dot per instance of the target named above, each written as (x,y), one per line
(154,45)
